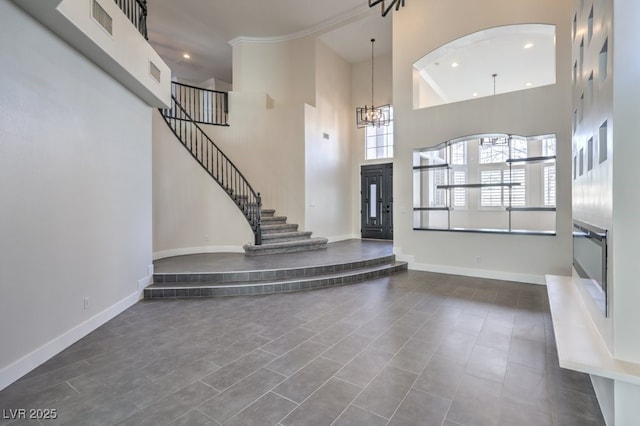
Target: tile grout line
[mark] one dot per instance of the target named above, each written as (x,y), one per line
(383,367)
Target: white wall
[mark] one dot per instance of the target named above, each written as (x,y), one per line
(191,212)
(531,112)
(75,191)
(328,149)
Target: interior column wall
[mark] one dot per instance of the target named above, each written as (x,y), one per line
(327,150)
(419,30)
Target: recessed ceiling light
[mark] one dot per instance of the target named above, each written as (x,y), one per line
(528,45)
(186,56)
(529,84)
(454,65)
(475,94)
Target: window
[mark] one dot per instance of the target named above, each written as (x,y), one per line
(487,183)
(458,165)
(459,194)
(503,196)
(496,150)
(491,196)
(458,153)
(514,196)
(549,147)
(379,140)
(549,186)
(493,150)
(438,195)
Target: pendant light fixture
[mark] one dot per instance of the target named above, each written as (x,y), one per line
(387,5)
(370,116)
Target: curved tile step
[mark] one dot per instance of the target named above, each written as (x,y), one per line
(215,278)
(194,290)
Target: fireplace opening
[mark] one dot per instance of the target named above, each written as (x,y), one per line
(590,260)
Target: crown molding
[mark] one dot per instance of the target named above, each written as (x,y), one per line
(353,14)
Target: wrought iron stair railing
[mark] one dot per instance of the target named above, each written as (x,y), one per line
(136,11)
(203,105)
(216,164)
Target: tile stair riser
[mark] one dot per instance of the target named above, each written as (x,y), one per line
(273,229)
(299,234)
(265,250)
(267,212)
(284,239)
(254,276)
(274,220)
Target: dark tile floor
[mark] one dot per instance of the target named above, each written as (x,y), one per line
(413,349)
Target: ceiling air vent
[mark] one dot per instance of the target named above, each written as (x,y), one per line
(102,17)
(154,71)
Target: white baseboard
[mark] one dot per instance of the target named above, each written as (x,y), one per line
(342,238)
(19,368)
(479,273)
(195,250)
(468,272)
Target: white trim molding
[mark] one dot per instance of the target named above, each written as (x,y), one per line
(355,13)
(196,250)
(343,238)
(479,273)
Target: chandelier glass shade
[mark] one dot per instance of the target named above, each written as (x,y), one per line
(372,115)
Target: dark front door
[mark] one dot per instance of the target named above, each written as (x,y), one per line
(377,201)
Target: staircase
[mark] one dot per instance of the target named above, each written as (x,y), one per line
(271,233)
(278,236)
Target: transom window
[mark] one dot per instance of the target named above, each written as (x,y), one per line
(379,140)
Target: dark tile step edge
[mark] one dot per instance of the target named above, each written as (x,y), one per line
(279,239)
(270,246)
(274,288)
(269,274)
(269,237)
(281,280)
(285,247)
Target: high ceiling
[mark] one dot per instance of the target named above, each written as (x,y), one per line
(203,29)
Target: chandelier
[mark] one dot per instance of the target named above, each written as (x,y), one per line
(370,116)
(387,5)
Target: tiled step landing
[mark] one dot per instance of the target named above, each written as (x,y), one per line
(244,283)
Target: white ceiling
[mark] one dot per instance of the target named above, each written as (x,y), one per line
(203,28)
